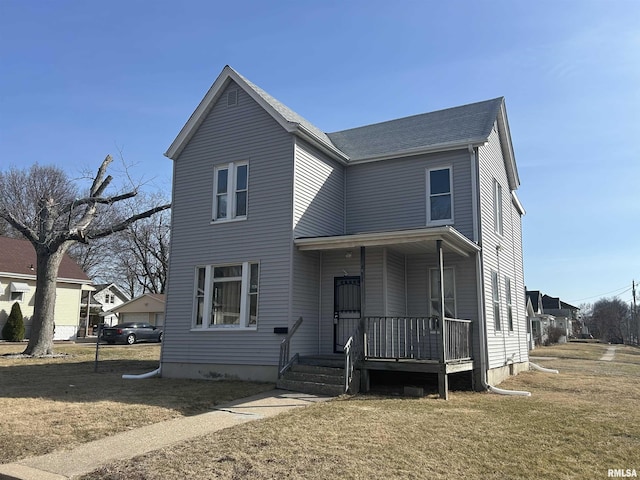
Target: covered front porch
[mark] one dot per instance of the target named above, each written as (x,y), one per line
(403,300)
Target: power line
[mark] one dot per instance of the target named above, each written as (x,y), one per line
(625,288)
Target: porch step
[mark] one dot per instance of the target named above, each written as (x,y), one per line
(313,388)
(334,361)
(312,375)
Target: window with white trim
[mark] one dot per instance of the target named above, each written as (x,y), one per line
(226,296)
(507,290)
(449,294)
(495,286)
(231,190)
(439,196)
(497,208)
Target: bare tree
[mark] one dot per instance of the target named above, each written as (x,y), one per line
(611,319)
(143,254)
(137,258)
(42,203)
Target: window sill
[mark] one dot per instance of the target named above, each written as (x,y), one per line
(228,220)
(440,223)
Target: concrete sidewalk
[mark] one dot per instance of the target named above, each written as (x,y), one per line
(66,464)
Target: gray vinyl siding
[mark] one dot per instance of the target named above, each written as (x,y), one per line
(306,302)
(244,132)
(318,193)
(501,345)
(391,195)
(396,304)
(418,267)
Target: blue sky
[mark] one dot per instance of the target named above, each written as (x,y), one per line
(80,79)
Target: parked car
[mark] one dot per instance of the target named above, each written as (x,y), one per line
(131,332)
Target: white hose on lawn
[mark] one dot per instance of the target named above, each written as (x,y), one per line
(501,391)
(153,373)
(542,369)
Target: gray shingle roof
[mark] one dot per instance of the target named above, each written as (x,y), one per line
(471,122)
(288,114)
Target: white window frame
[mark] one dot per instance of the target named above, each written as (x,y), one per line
(495,295)
(432,324)
(439,221)
(509,300)
(231,193)
(247,291)
(498,216)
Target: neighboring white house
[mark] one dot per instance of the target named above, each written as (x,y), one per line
(18,284)
(148,307)
(402,239)
(105,297)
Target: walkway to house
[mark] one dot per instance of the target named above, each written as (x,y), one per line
(610,353)
(65,464)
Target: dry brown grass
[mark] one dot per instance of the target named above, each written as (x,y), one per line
(577,424)
(51,403)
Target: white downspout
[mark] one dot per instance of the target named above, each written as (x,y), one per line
(142,376)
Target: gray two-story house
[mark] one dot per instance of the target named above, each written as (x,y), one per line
(398,243)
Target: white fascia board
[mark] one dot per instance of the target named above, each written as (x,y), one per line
(198,115)
(517,204)
(507,148)
(450,236)
(19,276)
(440,147)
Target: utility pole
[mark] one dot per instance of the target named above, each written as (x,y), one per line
(634,314)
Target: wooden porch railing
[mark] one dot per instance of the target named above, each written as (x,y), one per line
(416,338)
(284,363)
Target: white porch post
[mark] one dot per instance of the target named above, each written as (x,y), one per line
(443,382)
(441,298)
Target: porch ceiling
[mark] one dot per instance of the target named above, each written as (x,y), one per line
(405,241)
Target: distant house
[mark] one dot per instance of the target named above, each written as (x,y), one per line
(105,297)
(148,307)
(400,241)
(18,284)
(552,313)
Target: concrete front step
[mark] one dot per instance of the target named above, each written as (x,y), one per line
(317,370)
(305,376)
(313,388)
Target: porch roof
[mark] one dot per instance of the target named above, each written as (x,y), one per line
(407,241)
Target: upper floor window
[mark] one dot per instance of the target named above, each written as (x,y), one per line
(226,296)
(439,196)
(231,188)
(497,208)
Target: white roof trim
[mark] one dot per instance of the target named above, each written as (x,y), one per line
(516,202)
(19,287)
(438,147)
(203,109)
(449,235)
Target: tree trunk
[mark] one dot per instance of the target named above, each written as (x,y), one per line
(42,322)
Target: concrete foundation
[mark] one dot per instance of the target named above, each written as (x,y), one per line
(495,376)
(252,373)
